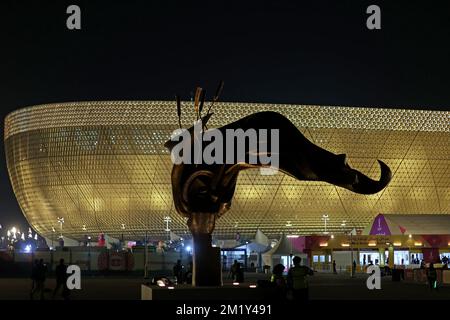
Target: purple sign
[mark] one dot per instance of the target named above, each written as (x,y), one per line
(380,227)
(298,244)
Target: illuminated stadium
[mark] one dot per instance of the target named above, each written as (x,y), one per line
(102,167)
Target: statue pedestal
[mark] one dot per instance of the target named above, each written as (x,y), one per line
(189,293)
(206,263)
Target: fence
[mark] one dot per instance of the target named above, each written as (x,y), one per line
(95,260)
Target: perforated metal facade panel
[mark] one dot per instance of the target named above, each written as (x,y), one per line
(103,164)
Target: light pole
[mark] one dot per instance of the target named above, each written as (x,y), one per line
(343,225)
(61,222)
(53,248)
(2,237)
(351,248)
(123,228)
(167,220)
(53,236)
(89,253)
(325,218)
(146,258)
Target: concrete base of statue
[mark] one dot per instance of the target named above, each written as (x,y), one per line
(188,292)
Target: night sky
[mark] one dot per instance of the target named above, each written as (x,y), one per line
(283,51)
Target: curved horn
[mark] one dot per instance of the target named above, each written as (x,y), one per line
(366,185)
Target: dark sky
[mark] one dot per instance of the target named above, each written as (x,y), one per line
(281,51)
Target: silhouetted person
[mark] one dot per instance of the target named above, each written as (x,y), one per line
(239,273)
(178,271)
(354,268)
(188,275)
(34,278)
(41,275)
(387,270)
(61,280)
(334,267)
(432,277)
(279,282)
(298,280)
(234,269)
(224,262)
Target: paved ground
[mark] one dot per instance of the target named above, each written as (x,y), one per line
(322,286)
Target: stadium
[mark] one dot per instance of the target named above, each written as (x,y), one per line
(102,166)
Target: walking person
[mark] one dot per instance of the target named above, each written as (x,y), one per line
(432,277)
(279,282)
(61,280)
(178,271)
(34,278)
(239,277)
(298,280)
(188,275)
(41,275)
(334,267)
(234,269)
(353,268)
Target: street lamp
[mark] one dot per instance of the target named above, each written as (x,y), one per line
(53,235)
(343,225)
(61,222)
(89,252)
(123,228)
(146,256)
(325,218)
(167,220)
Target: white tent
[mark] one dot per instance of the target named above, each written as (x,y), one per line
(260,244)
(253,247)
(174,237)
(109,241)
(227,244)
(261,239)
(68,242)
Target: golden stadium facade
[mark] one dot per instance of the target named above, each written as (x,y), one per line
(103,167)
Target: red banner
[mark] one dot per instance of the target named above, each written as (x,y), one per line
(431,255)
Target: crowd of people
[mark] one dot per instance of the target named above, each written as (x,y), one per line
(185,276)
(292,287)
(182,275)
(237,272)
(39,276)
(295,286)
